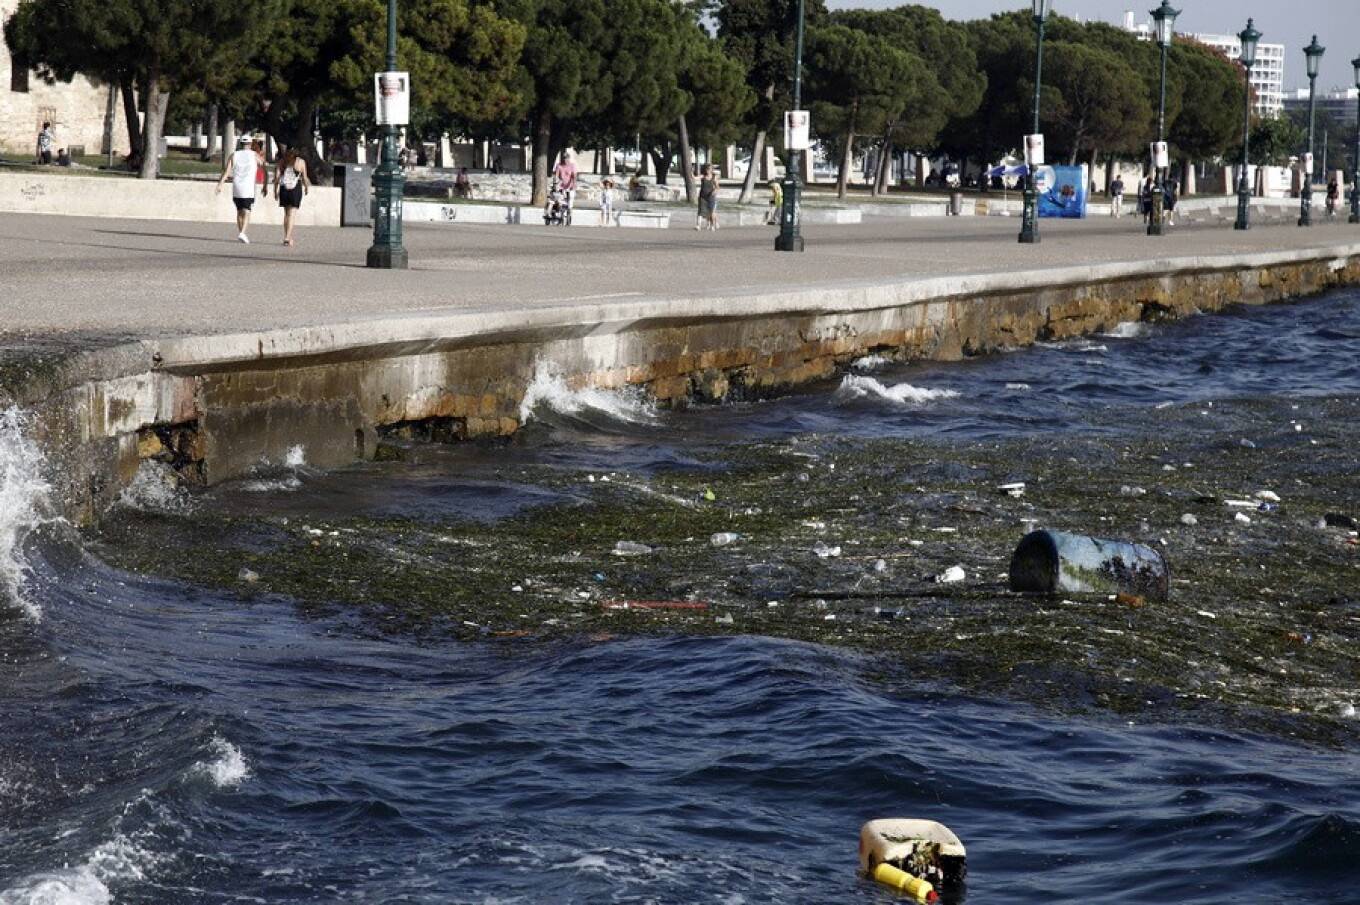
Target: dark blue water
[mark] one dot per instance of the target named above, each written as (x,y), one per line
(166,744)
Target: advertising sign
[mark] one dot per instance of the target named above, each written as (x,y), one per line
(392,98)
(1161,156)
(1062,192)
(1034,150)
(797,126)
(1307,163)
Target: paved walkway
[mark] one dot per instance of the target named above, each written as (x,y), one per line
(64,277)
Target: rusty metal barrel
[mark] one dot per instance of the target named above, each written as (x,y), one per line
(1046,562)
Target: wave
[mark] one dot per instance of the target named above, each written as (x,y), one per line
(228,769)
(857,386)
(1128,330)
(23,504)
(156,488)
(548,393)
(119,859)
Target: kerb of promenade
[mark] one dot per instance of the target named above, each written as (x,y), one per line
(156,339)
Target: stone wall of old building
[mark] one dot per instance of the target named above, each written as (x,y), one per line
(79,111)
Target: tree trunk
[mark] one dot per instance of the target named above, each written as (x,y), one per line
(884,168)
(134,125)
(847,151)
(749,183)
(847,161)
(210,149)
(661,161)
(304,142)
(158,102)
(687,162)
(542,139)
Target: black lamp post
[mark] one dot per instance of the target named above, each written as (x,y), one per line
(1355,164)
(1249,37)
(1029,219)
(1314,53)
(790,236)
(1165,17)
(389,182)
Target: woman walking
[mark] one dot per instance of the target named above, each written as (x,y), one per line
(290,185)
(708,199)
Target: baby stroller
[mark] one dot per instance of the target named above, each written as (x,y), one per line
(558,210)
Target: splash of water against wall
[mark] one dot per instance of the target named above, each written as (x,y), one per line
(23,499)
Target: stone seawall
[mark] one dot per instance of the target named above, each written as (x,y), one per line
(215,407)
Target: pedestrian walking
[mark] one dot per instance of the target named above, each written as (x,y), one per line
(291,183)
(242,169)
(1145,200)
(45,141)
(773,215)
(1117,196)
(1333,195)
(1171,193)
(565,175)
(606,202)
(708,199)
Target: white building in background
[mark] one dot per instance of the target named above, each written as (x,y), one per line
(1267,76)
(1340,103)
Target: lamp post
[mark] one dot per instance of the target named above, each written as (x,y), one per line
(1355,164)
(1165,17)
(1314,53)
(1029,219)
(389,182)
(1249,38)
(790,236)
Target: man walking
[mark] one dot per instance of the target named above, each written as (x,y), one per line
(45,144)
(1117,196)
(241,169)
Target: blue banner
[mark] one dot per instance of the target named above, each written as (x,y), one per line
(1062,192)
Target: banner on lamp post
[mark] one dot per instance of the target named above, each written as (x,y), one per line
(797,130)
(1161,155)
(1034,150)
(1306,164)
(392,98)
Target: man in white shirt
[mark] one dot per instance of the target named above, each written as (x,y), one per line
(243,169)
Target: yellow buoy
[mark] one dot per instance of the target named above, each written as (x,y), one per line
(918,889)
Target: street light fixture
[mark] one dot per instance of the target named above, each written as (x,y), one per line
(1249,38)
(790,236)
(1314,53)
(389,183)
(1355,164)
(1165,17)
(1029,220)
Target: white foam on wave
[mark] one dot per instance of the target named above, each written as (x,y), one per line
(1128,330)
(228,769)
(23,498)
(297,457)
(273,485)
(856,386)
(156,488)
(118,860)
(549,390)
(871,363)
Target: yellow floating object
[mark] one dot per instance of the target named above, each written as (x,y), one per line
(918,889)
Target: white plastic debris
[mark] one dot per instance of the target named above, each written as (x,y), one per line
(1242,518)
(1240,504)
(1269,496)
(1126,490)
(724,538)
(826,552)
(724,619)
(951,575)
(1189,520)
(880,565)
(249,576)
(631,548)
(1015,488)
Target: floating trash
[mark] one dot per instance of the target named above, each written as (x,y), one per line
(1046,562)
(913,857)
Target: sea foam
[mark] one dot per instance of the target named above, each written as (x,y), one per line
(549,391)
(23,498)
(857,386)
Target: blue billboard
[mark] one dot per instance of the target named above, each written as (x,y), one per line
(1062,191)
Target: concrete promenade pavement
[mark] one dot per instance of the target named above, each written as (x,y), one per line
(92,281)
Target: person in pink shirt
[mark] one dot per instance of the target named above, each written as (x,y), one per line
(564,174)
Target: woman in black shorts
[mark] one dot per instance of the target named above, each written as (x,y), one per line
(292,183)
